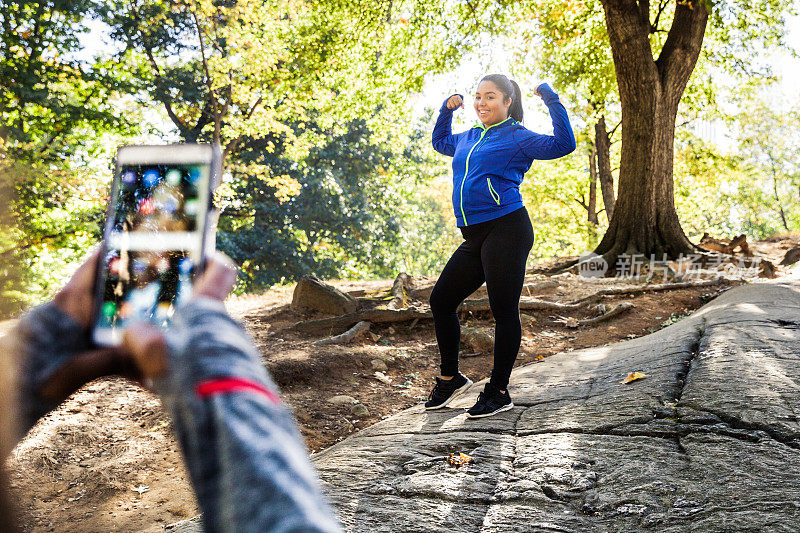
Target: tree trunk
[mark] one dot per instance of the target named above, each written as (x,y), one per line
(592,204)
(778,198)
(602,144)
(644,219)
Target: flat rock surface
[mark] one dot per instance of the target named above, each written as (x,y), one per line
(708,441)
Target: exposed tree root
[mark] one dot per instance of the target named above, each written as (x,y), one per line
(357,330)
(372,315)
(530,304)
(616,310)
(399,291)
(725,246)
(792,256)
(559,267)
(384,315)
(648,288)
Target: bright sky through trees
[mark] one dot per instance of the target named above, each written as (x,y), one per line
(495,58)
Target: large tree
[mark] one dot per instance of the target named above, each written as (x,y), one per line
(650,89)
(652,73)
(656,55)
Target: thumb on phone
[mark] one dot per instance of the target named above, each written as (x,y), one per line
(218,278)
(145,342)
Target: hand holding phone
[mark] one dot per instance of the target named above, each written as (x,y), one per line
(145,342)
(160,228)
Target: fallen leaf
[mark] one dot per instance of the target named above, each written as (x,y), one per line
(141,489)
(460,459)
(383,378)
(633,376)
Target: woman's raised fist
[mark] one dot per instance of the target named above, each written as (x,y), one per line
(454,102)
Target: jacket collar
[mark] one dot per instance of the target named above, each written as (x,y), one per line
(507,122)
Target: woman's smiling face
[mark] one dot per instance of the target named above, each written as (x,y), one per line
(490,104)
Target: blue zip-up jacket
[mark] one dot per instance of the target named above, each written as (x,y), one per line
(489,163)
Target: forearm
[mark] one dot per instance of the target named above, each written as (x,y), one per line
(563,136)
(562,142)
(44,340)
(442,137)
(245,455)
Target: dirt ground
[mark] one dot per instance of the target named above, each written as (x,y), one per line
(106,459)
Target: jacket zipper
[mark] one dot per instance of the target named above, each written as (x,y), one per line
(466,169)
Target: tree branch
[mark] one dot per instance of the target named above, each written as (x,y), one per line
(677,59)
(234,143)
(161,94)
(661,6)
(630,47)
(204,118)
(209,82)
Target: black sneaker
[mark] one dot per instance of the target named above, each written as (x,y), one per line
(447,390)
(491,401)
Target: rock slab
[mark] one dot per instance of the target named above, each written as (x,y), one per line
(708,442)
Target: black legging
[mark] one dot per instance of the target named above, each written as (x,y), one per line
(495,252)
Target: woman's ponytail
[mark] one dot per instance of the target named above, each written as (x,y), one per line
(511,90)
(515,111)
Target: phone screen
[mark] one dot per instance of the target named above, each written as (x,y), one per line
(153,244)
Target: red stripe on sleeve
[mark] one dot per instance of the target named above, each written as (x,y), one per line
(229,385)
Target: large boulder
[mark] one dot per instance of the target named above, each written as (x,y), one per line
(311,293)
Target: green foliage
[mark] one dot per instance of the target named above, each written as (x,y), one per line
(355,213)
(55,109)
(566,43)
(49,99)
(551,190)
(305,98)
(229,71)
(310,100)
(727,194)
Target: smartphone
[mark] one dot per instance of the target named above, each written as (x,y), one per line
(160,228)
